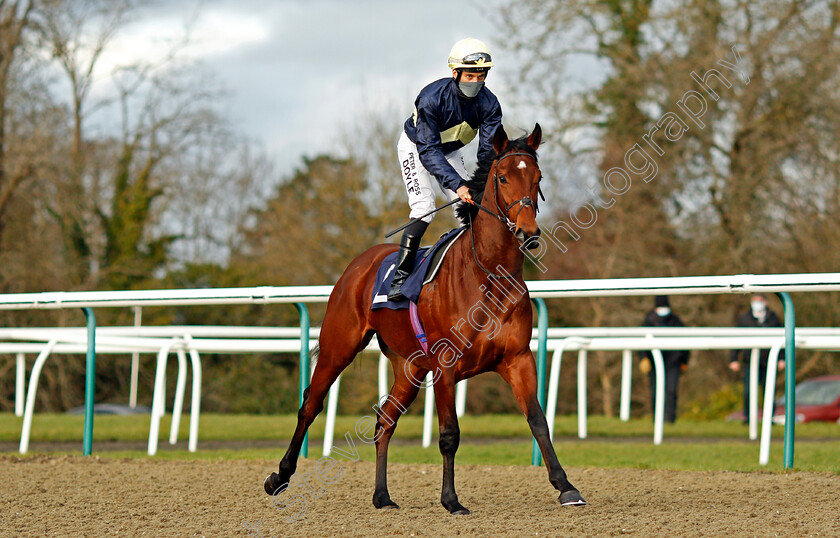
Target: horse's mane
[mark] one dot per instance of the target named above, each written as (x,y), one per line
(480,178)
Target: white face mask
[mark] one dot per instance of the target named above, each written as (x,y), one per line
(759,308)
(662,311)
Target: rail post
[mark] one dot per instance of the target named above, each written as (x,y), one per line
(90,378)
(304,365)
(542,335)
(790,377)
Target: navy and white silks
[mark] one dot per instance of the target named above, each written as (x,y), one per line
(429,147)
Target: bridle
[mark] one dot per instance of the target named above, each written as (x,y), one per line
(523,202)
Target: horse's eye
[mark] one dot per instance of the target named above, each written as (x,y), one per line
(502,179)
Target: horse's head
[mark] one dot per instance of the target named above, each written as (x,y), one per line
(515,182)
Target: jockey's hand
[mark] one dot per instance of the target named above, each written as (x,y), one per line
(463,193)
(735,366)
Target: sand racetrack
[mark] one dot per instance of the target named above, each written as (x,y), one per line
(75,496)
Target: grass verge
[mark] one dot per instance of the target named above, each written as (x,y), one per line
(218,427)
(813,456)
(487,440)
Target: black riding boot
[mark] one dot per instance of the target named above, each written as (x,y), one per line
(409,244)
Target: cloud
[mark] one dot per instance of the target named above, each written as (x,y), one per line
(149,40)
(299,70)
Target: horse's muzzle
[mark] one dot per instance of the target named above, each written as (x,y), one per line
(522,237)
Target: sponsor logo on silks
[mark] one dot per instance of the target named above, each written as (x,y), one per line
(463,133)
(412,183)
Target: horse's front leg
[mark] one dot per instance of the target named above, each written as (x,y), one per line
(520,373)
(450,438)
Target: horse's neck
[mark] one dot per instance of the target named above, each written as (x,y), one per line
(496,248)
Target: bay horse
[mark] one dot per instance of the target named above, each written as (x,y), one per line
(477,313)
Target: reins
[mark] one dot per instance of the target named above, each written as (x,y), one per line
(501,215)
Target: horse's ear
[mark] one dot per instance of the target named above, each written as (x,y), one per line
(500,140)
(536,137)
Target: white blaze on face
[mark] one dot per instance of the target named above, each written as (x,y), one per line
(522,165)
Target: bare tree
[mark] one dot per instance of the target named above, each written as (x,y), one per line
(15,17)
(743,182)
(111,199)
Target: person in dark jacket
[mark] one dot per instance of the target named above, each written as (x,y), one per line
(675,361)
(759,315)
(448,114)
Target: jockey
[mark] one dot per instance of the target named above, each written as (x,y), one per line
(448,114)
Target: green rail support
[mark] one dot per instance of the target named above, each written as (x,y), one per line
(790,378)
(542,335)
(304,365)
(90,378)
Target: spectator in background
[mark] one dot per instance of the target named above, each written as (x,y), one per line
(676,362)
(759,315)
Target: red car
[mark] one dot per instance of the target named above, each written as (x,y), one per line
(816,399)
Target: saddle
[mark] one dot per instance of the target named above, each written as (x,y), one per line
(426,267)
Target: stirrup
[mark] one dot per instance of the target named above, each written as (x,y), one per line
(396,295)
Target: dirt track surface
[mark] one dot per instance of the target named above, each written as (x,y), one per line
(74,496)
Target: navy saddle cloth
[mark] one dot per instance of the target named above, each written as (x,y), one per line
(426,266)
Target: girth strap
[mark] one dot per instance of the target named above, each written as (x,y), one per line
(419,332)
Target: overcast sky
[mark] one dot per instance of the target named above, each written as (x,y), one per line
(299,70)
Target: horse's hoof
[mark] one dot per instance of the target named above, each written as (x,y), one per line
(572,498)
(272,483)
(384,503)
(457,509)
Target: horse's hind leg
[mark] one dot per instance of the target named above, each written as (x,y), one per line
(338,348)
(521,374)
(403,392)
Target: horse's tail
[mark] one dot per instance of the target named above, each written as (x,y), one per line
(314,354)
